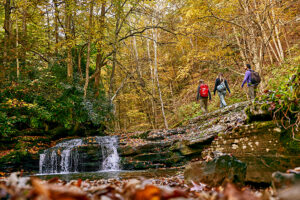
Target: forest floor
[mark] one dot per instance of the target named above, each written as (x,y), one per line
(17,187)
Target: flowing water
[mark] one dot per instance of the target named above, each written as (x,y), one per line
(65,158)
(109,153)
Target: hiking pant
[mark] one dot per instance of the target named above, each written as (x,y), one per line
(222,98)
(252,91)
(203,103)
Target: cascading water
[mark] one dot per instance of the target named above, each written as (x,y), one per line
(65,158)
(110,154)
(62,158)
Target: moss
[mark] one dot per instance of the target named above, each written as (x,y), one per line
(17,160)
(265,106)
(292,146)
(265,124)
(143,135)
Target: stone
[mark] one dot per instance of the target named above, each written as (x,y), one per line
(216,171)
(261,147)
(292,193)
(255,112)
(284,180)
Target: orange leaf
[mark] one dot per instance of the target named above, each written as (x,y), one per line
(149,193)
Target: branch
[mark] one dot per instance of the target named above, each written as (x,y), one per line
(224,20)
(143,30)
(121,86)
(40,55)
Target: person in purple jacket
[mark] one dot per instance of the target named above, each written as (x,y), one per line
(252,88)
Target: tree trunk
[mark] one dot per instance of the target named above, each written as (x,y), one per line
(56,26)
(79,65)
(277,34)
(99,57)
(155,37)
(152,86)
(68,38)
(240,46)
(17,50)
(24,34)
(88,49)
(7,26)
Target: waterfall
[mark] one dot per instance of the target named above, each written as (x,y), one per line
(42,159)
(65,158)
(62,158)
(110,154)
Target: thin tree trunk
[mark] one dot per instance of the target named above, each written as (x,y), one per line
(156,77)
(68,38)
(7,26)
(277,34)
(79,65)
(24,38)
(240,46)
(88,49)
(99,57)
(152,86)
(17,50)
(274,41)
(56,26)
(48,33)
(137,63)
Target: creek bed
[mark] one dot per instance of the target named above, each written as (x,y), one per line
(122,174)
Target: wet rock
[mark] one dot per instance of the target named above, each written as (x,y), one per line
(292,193)
(285,180)
(217,171)
(198,142)
(262,146)
(257,112)
(235,107)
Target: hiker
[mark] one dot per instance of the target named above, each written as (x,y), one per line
(252,79)
(203,93)
(221,85)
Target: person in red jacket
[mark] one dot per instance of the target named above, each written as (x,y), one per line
(202,94)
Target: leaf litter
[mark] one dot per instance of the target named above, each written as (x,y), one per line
(171,188)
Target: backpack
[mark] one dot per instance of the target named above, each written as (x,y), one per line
(255,78)
(221,87)
(203,90)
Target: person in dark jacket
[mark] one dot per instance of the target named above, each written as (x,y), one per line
(221,86)
(203,98)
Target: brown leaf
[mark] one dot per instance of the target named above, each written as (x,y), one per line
(173,194)
(53,180)
(232,193)
(55,192)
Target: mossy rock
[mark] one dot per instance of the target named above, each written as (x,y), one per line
(19,160)
(258,112)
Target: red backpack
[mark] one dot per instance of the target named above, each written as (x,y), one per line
(203,90)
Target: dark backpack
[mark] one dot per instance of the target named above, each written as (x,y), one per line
(255,78)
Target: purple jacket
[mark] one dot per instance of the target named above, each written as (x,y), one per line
(247,78)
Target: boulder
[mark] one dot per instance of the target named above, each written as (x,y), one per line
(216,171)
(263,146)
(284,180)
(258,112)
